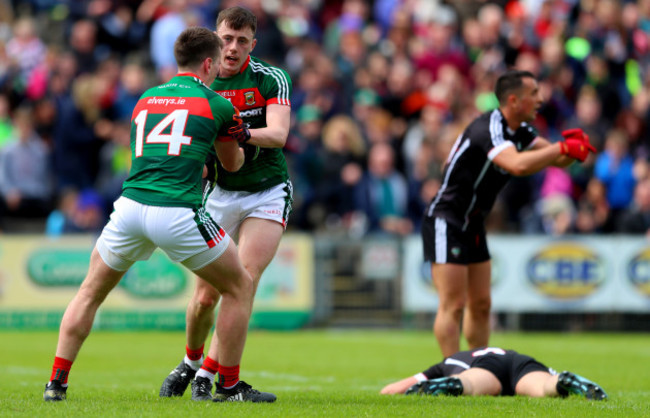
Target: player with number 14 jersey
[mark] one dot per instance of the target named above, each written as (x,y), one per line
(176,123)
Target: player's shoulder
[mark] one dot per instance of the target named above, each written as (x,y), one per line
(264,69)
(485,124)
(212,96)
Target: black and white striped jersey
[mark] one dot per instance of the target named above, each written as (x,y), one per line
(454,364)
(471,182)
(463,360)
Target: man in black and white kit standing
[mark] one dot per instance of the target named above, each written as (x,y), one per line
(495,146)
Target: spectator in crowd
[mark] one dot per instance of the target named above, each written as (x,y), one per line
(163,34)
(593,212)
(636,218)
(25,49)
(352,18)
(555,204)
(114,164)
(83,42)
(270,41)
(426,129)
(119,27)
(307,167)
(76,144)
(615,169)
(131,85)
(599,78)
(343,153)
(26,187)
(383,194)
(441,50)
(77,212)
(634,120)
(588,116)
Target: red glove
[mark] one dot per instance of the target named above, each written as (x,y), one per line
(576,148)
(575,133)
(239,132)
(578,134)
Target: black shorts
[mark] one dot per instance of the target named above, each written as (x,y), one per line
(509,368)
(444,242)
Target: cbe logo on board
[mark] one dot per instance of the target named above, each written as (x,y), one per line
(566,271)
(638,272)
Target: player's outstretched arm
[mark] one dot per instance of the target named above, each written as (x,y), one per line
(526,162)
(274,135)
(399,387)
(561,161)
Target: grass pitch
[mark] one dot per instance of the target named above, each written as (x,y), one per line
(314,373)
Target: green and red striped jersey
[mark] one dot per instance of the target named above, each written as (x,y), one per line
(257,85)
(173,128)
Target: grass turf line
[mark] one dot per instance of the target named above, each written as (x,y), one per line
(314,373)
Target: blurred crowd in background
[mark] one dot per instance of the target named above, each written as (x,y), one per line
(381,90)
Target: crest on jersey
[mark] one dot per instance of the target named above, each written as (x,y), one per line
(249,97)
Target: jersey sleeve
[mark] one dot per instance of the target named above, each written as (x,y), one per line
(276,86)
(434,371)
(223,112)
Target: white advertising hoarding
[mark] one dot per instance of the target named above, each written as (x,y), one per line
(544,274)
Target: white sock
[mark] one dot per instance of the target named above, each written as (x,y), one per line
(194,364)
(206,374)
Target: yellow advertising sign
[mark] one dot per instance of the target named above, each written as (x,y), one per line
(38,274)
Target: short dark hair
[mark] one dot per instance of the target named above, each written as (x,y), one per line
(509,82)
(194,45)
(238,18)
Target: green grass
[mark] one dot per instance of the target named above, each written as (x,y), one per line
(314,373)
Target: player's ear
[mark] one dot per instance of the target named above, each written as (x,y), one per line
(207,64)
(513,100)
(253,44)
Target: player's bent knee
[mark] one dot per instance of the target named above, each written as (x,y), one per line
(207,300)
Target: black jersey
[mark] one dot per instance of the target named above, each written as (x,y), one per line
(460,361)
(471,182)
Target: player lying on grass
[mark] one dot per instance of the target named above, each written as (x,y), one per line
(495,371)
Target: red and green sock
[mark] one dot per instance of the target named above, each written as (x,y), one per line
(209,369)
(194,355)
(194,358)
(60,370)
(228,376)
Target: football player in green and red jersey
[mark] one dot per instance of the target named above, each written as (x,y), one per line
(252,205)
(173,128)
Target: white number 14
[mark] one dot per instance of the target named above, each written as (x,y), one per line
(175,139)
